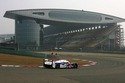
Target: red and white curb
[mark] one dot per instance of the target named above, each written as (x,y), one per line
(91,63)
(40,66)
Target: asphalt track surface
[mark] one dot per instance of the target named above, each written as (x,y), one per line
(110,68)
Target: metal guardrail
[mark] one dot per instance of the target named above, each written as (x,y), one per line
(25,53)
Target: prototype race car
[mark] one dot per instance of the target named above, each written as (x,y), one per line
(59,64)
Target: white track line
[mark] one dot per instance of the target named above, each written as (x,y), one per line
(39,66)
(92,63)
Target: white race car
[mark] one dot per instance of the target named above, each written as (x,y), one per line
(59,64)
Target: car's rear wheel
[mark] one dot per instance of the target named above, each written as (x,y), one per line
(75,65)
(57,65)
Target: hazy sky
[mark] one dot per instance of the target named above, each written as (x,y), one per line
(112,7)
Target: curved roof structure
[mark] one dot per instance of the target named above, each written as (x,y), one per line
(50,16)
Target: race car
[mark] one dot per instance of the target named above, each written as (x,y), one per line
(59,64)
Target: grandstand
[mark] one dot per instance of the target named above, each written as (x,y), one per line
(94,38)
(67,30)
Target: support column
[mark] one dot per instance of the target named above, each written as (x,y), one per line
(41,36)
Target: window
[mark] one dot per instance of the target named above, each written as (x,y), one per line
(39,13)
(107,18)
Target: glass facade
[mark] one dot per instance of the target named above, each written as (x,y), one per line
(75,16)
(27,33)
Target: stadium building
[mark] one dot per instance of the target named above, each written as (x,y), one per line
(66,30)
